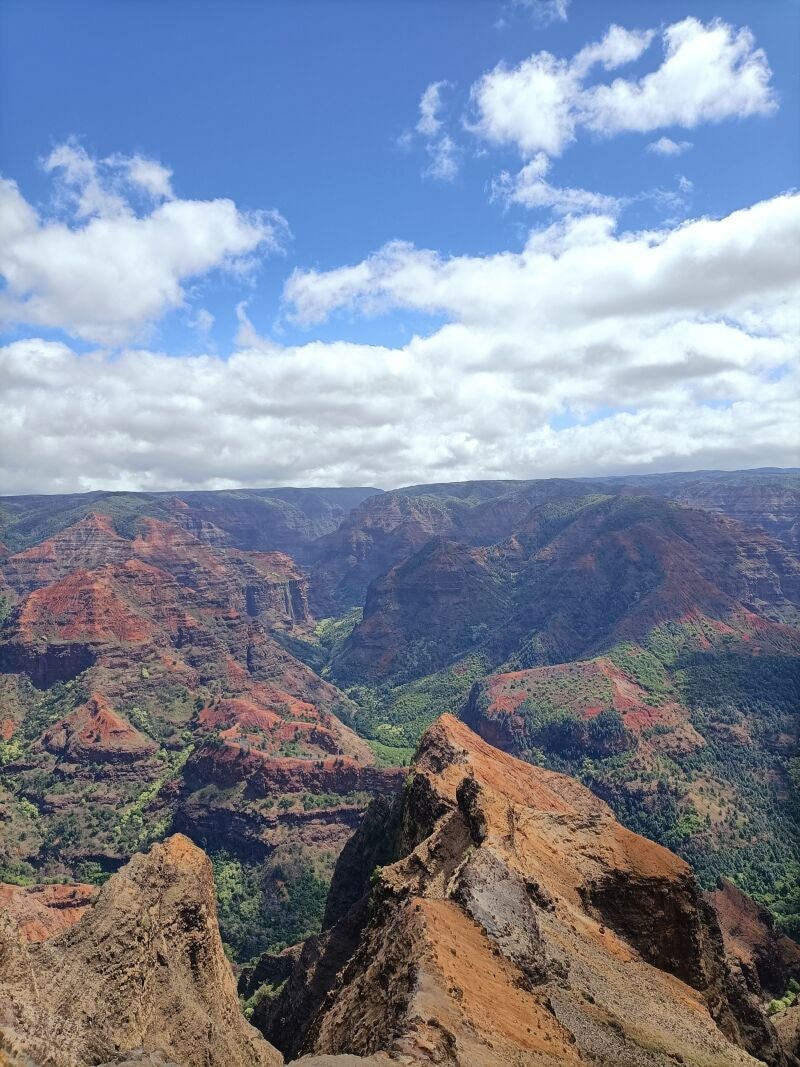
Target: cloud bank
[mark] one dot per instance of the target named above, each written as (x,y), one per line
(590,351)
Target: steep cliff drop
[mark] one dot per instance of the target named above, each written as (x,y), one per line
(493,914)
(142,978)
(515,923)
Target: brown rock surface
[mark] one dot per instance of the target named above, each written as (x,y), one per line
(787,1024)
(42,911)
(143,970)
(766,958)
(520,924)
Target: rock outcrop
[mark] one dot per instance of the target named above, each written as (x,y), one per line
(95,732)
(42,911)
(144,970)
(520,924)
(766,958)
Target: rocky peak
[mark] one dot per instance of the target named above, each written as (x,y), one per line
(97,733)
(518,924)
(144,969)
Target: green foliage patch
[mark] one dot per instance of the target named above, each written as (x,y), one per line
(263,907)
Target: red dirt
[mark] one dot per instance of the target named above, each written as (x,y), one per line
(95,731)
(42,911)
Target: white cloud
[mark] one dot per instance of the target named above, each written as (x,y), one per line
(444,159)
(531,189)
(99,270)
(668,349)
(443,153)
(708,73)
(81,184)
(576,268)
(545,11)
(530,106)
(203,322)
(618,47)
(665,146)
(152,176)
(430,105)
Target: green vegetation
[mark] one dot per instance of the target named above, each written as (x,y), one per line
(391,755)
(266,991)
(317,801)
(565,733)
(396,716)
(92,872)
(644,668)
(263,907)
(10,751)
(19,873)
(54,704)
(333,632)
(787,1000)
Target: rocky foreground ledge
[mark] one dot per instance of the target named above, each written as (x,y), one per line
(493,915)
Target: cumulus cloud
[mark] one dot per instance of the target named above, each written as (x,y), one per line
(530,106)
(665,146)
(617,47)
(151,176)
(590,351)
(708,73)
(102,266)
(572,269)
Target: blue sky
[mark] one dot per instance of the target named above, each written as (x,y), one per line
(311,110)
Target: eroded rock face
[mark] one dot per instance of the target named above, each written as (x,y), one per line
(157,662)
(42,911)
(518,924)
(142,978)
(620,567)
(766,958)
(97,733)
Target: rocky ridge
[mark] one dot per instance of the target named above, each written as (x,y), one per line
(162,668)
(143,969)
(515,923)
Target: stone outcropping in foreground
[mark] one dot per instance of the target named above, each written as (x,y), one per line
(515,923)
(493,914)
(142,973)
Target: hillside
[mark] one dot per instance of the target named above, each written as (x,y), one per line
(146,686)
(489,914)
(252,667)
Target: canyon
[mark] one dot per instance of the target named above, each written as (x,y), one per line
(512,921)
(252,670)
